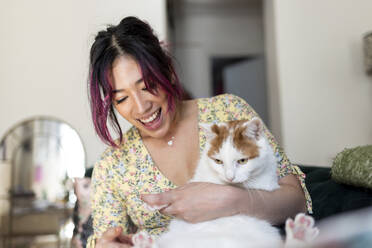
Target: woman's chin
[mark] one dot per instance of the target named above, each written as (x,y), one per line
(158,128)
(158,132)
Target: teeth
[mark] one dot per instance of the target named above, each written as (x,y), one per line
(151,118)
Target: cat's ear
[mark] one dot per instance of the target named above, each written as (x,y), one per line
(254,128)
(207,128)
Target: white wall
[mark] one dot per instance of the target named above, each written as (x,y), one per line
(44,49)
(316,64)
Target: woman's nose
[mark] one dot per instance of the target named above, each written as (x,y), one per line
(141,104)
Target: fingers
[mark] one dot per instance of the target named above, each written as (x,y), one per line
(113,238)
(119,246)
(158,200)
(112,233)
(113,245)
(169,210)
(126,239)
(180,212)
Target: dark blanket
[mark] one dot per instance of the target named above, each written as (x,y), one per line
(330,198)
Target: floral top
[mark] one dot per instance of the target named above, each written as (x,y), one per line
(124,173)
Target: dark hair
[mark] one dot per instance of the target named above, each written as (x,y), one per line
(134,38)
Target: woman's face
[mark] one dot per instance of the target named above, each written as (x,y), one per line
(135,103)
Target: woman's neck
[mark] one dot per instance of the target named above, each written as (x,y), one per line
(178,117)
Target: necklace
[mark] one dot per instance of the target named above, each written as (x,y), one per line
(170,142)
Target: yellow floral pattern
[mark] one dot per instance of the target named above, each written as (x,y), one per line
(124,173)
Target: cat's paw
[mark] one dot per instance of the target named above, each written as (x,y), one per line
(143,240)
(300,230)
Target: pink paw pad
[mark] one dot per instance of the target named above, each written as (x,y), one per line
(301,229)
(142,240)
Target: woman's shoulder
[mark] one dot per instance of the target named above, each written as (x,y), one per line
(224,107)
(222,98)
(115,155)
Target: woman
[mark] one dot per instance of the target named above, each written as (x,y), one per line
(132,75)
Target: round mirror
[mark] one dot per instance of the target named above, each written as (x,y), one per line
(43,153)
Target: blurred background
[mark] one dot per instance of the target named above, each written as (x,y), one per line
(300,64)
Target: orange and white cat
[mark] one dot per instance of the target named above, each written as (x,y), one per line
(236,153)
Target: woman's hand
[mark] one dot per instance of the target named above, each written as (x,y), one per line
(196,202)
(199,201)
(113,238)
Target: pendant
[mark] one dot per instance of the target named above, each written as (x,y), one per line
(170,142)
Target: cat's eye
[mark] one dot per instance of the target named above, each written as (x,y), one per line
(217,161)
(242,161)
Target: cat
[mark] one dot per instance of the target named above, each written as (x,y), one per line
(236,153)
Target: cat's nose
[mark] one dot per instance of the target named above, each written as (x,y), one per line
(230,175)
(230,178)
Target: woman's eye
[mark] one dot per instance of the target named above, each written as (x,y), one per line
(242,161)
(218,161)
(145,88)
(118,101)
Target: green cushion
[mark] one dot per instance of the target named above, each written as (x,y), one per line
(354,167)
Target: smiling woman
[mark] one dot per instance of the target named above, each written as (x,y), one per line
(112,51)
(154,160)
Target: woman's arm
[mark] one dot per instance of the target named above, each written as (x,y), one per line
(108,207)
(275,206)
(215,201)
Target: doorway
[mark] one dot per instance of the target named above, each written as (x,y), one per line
(219,48)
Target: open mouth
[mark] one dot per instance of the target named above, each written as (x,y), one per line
(153,119)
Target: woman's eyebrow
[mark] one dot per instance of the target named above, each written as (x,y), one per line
(120,90)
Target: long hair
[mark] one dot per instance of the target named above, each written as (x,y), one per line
(134,38)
